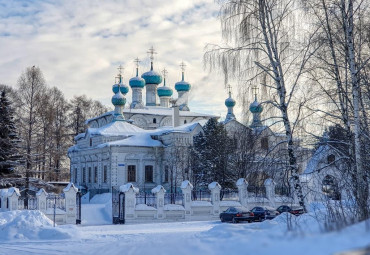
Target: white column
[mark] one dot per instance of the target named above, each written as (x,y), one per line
(70,203)
(130,199)
(41,200)
(270,191)
(159,196)
(13,194)
(186,189)
(215,189)
(242,185)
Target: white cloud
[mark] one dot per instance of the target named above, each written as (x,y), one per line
(78,44)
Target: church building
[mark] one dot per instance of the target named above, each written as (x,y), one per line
(136,144)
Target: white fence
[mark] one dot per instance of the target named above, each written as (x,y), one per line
(191,209)
(61,208)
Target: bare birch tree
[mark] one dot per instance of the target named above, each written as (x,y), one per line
(263,39)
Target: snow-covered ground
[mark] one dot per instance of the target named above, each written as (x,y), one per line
(30,232)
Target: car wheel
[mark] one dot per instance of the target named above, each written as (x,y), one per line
(235,220)
(222,219)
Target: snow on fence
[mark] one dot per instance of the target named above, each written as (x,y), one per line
(194,205)
(60,208)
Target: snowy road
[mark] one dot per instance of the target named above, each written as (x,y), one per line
(188,238)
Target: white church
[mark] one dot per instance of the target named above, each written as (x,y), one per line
(135,144)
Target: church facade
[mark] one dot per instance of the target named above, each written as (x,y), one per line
(139,143)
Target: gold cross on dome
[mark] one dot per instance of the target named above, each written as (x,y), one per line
(182,65)
(229,88)
(255,91)
(165,72)
(137,61)
(151,52)
(120,69)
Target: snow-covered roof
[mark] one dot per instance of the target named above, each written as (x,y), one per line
(139,140)
(69,186)
(40,192)
(213,185)
(185,184)
(115,128)
(126,187)
(9,192)
(269,181)
(313,164)
(241,181)
(154,110)
(157,189)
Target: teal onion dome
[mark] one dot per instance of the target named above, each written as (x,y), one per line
(122,87)
(137,82)
(152,77)
(118,99)
(164,91)
(182,86)
(255,107)
(229,102)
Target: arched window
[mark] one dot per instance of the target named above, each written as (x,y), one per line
(331,158)
(330,187)
(154,120)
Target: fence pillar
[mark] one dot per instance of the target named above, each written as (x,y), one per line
(13,194)
(215,188)
(159,197)
(70,203)
(130,199)
(186,189)
(242,185)
(41,200)
(270,191)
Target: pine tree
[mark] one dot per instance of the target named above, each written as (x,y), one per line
(9,157)
(213,151)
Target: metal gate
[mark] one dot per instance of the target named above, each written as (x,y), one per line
(78,208)
(118,206)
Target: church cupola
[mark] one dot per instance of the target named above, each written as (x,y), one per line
(137,84)
(256,109)
(119,100)
(182,87)
(120,85)
(164,92)
(152,79)
(230,103)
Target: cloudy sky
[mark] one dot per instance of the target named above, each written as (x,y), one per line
(79,44)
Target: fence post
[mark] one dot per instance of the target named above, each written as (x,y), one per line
(70,203)
(186,189)
(215,188)
(130,199)
(270,191)
(13,194)
(159,197)
(41,200)
(242,185)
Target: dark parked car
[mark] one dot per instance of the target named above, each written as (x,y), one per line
(236,214)
(263,213)
(293,210)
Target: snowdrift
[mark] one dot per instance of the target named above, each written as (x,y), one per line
(30,225)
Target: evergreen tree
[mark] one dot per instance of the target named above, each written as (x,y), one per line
(9,157)
(212,156)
